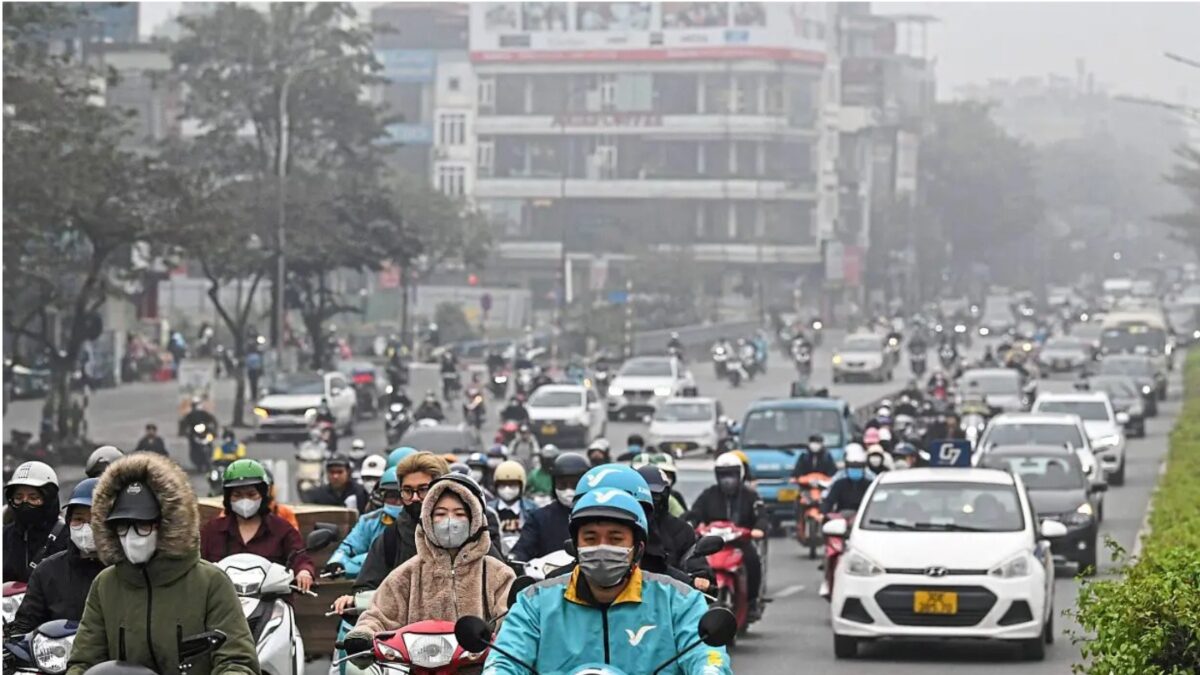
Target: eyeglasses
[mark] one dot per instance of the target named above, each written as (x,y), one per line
(420,491)
(142,527)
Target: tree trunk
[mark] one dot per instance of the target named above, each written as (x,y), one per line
(239,387)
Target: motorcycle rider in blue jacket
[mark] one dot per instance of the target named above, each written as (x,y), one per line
(348,559)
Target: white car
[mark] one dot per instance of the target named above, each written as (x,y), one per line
(1104,426)
(644,383)
(682,424)
(945,553)
(567,415)
(862,355)
(293,400)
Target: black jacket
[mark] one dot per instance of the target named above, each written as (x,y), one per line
(543,533)
(58,589)
(810,462)
(845,495)
(199,416)
(675,537)
(147,444)
(21,546)
(744,509)
(327,496)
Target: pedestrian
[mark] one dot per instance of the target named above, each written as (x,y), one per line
(152,442)
(254,370)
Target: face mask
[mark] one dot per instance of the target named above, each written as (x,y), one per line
(565,497)
(370,485)
(139,549)
(83,538)
(662,504)
(729,484)
(508,493)
(477,475)
(816,447)
(247,508)
(393,510)
(605,566)
(26,513)
(855,473)
(451,532)
(413,510)
(875,461)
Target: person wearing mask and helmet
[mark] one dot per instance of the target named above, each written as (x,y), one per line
(58,587)
(546,529)
(676,504)
(524,446)
(252,528)
(540,482)
(598,452)
(511,507)
(398,455)
(340,488)
(146,524)
(36,531)
(100,458)
(350,555)
(733,499)
(907,456)
(565,621)
(816,460)
(878,459)
(477,468)
(451,576)
(369,473)
(674,535)
(850,484)
(634,444)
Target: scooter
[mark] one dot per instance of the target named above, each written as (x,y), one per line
(421,648)
(310,466)
(396,420)
(835,546)
(473,409)
(189,649)
(813,487)
(499,384)
(720,361)
(451,384)
(918,364)
(14,594)
(200,446)
(818,332)
(733,586)
(45,649)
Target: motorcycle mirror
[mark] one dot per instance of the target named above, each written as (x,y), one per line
(319,539)
(569,547)
(519,584)
(708,545)
(472,633)
(626,456)
(717,627)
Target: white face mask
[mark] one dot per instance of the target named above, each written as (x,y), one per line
(246,508)
(83,538)
(138,549)
(508,493)
(566,497)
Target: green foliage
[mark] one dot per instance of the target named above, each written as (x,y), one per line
(1186,176)
(452,322)
(1147,621)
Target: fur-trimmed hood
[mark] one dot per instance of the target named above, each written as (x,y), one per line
(473,549)
(179,531)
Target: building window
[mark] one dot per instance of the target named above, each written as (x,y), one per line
(486,157)
(487,94)
(452,129)
(453,84)
(451,179)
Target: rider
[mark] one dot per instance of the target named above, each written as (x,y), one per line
(515,411)
(340,488)
(36,531)
(99,460)
(674,344)
(477,468)
(151,442)
(495,362)
(452,576)
(917,345)
(878,460)
(567,621)
(146,525)
(732,499)
(510,506)
(348,559)
(524,445)
(230,449)
(540,480)
(671,534)
(59,585)
(850,484)
(816,460)
(371,472)
(598,452)
(634,444)
(253,528)
(675,503)
(545,530)
(430,408)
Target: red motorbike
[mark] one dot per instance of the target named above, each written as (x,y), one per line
(422,648)
(813,487)
(733,586)
(834,548)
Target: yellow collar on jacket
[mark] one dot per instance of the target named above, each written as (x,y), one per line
(631,593)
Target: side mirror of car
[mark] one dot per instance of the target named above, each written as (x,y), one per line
(1122,418)
(1052,529)
(834,528)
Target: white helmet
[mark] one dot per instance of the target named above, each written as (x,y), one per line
(373,466)
(33,474)
(855,454)
(600,444)
(358,444)
(885,434)
(728,461)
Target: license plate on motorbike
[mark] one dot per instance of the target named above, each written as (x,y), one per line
(549,429)
(935,602)
(788,495)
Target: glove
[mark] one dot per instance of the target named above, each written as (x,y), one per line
(334,569)
(357,641)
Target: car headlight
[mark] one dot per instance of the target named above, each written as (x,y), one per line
(1013,568)
(860,565)
(1082,515)
(615,391)
(984,330)
(837,359)
(1106,442)
(1196,334)
(261,412)
(430,651)
(662,391)
(51,654)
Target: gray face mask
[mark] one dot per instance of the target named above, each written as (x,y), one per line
(451,532)
(605,566)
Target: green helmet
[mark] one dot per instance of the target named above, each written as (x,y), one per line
(245,472)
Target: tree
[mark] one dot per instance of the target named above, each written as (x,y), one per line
(1186,177)
(981,192)
(74,209)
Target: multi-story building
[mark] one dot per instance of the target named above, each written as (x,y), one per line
(609,130)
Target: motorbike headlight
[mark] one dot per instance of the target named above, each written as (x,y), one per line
(1106,442)
(501,379)
(860,565)
(51,654)
(960,328)
(662,391)
(984,330)
(215,476)
(1196,334)
(1015,567)
(11,604)
(430,651)
(817,325)
(837,359)
(261,412)
(246,582)
(396,407)
(1146,389)
(616,391)
(199,428)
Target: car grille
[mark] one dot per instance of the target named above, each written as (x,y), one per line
(974,602)
(947,573)
(275,412)
(638,394)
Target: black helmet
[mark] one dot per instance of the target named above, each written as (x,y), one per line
(654,478)
(570,464)
(463,480)
(135,502)
(339,460)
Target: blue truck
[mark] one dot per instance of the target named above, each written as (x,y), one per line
(775,432)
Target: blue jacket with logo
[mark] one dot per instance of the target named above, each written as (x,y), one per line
(352,552)
(557,630)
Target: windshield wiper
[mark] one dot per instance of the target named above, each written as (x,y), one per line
(891,524)
(952,527)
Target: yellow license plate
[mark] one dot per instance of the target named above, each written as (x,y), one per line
(549,429)
(679,446)
(788,495)
(935,602)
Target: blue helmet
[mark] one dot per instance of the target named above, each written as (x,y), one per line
(610,504)
(82,494)
(388,480)
(620,476)
(398,455)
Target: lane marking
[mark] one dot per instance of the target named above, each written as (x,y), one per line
(787,592)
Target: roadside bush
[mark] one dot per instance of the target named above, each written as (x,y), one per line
(1147,621)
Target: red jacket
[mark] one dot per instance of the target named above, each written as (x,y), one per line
(275,540)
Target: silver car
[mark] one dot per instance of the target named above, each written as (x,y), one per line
(862,355)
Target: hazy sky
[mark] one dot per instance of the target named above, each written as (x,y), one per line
(1121,42)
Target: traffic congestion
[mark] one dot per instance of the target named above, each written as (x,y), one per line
(905,494)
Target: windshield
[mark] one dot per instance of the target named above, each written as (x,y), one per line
(438,442)
(299,384)
(1094,411)
(997,314)
(1042,472)
(968,507)
(684,412)
(648,368)
(1130,338)
(990,383)
(1064,344)
(1126,367)
(556,399)
(1087,331)
(861,343)
(1116,389)
(1035,434)
(790,428)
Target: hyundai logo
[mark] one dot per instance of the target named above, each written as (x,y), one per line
(936,571)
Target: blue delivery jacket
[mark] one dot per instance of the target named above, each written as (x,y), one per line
(558,630)
(352,552)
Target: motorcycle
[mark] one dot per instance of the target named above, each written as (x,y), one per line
(45,649)
(918,364)
(499,384)
(473,409)
(396,421)
(451,385)
(310,466)
(200,446)
(675,353)
(733,587)
(14,594)
(818,332)
(720,360)
(749,361)
(835,546)
(602,375)
(366,394)
(803,359)
(524,379)
(948,356)
(813,487)
(397,373)
(216,477)
(422,648)
(736,374)
(189,649)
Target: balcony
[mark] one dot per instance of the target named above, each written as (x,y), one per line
(692,188)
(741,127)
